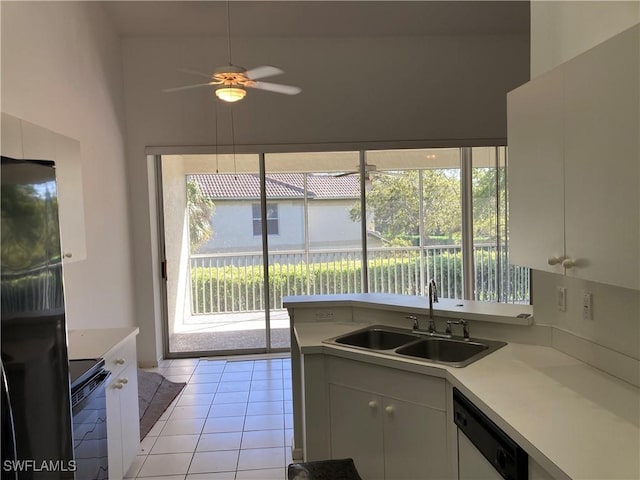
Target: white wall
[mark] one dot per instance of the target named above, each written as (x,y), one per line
(456,95)
(611,340)
(560,30)
(62,70)
(232,224)
(330,225)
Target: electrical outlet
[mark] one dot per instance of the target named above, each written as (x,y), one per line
(561,298)
(587,304)
(324,315)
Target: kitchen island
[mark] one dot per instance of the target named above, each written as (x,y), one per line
(573,420)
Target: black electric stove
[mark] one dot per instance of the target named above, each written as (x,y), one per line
(82,370)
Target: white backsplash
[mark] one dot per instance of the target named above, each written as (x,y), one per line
(610,340)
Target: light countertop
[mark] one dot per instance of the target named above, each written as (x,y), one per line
(96,343)
(574,420)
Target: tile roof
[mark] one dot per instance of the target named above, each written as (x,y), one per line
(279,185)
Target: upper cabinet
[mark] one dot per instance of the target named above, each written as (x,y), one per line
(574,166)
(536,186)
(24,140)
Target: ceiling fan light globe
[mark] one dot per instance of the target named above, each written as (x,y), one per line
(231,94)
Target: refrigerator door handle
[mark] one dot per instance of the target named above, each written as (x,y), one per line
(9,432)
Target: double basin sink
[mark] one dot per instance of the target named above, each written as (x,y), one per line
(454,351)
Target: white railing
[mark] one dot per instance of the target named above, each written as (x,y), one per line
(234,282)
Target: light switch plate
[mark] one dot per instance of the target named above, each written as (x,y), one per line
(587,304)
(561,298)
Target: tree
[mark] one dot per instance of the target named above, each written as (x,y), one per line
(484,200)
(394,201)
(200,210)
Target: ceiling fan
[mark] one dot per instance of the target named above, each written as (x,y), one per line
(369,170)
(233,79)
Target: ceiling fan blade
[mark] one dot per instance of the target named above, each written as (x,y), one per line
(262,72)
(277,88)
(187,87)
(195,72)
(345,174)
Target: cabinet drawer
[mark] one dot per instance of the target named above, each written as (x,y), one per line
(120,358)
(390,382)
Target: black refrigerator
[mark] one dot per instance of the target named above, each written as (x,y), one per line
(37,439)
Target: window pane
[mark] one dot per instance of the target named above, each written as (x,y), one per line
(318,248)
(495,278)
(414,221)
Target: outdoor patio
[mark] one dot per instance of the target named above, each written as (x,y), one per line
(230,331)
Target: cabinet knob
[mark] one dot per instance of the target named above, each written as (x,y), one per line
(124,381)
(555,260)
(68,254)
(389,409)
(373,404)
(568,263)
(120,361)
(118,385)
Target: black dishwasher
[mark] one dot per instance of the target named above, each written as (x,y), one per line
(484,450)
(88,401)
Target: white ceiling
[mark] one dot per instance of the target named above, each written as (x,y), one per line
(317,18)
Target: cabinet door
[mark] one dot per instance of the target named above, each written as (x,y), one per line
(356,429)
(11,137)
(38,142)
(114,430)
(535,169)
(70,198)
(602,166)
(415,443)
(129,416)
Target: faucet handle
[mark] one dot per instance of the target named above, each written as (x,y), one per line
(415,321)
(465,327)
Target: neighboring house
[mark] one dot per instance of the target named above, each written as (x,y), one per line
(237,224)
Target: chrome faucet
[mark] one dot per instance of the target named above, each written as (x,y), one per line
(433,298)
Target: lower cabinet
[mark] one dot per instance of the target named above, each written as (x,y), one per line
(386,437)
(123,421)
(391,422)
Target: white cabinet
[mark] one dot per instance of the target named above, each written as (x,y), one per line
(386,437)
(123,423)
(536,173)
(602,162)
(574,166)
(25,141)
(391,422)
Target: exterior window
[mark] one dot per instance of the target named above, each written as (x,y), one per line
(272,219)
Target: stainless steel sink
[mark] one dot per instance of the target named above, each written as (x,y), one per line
(377,338)
(398,342)
(455,352)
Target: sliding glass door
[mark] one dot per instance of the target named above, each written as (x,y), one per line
(214,278)
(242,232)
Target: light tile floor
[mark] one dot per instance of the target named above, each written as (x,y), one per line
(233,421)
